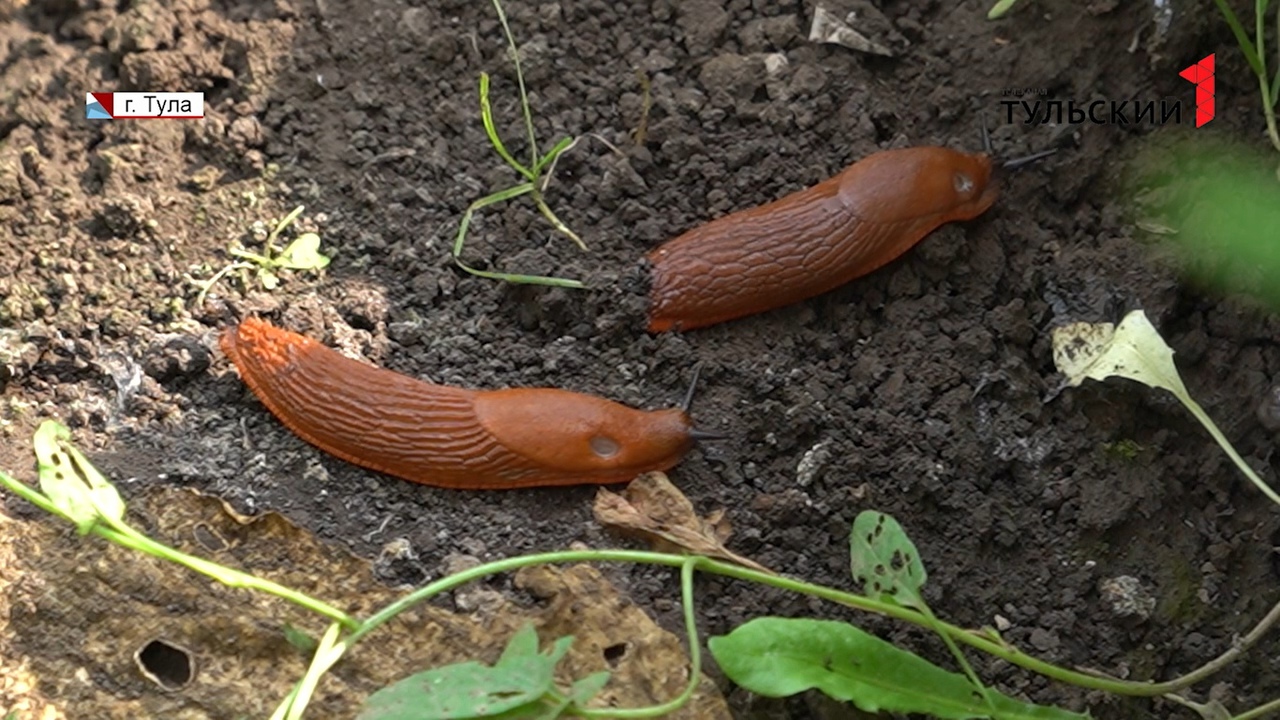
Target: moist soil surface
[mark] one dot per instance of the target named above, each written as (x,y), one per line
(1097,526)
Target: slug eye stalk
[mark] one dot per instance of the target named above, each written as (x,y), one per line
(700,435)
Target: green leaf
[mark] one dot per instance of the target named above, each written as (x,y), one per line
(104,496)
(779,657)
(71,482)
(545,708)
(268,279)
(515,687)
(303,254)
(885,560)
(57,480)
(484,202)
(552,154)
(279,228)
(552,705)
(523,644)
(465,690)
(300,639)
(486,117)
(588,687)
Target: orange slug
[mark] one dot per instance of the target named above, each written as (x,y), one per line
(814,240)
(447,436)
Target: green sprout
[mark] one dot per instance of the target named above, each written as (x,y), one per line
(1126,449)
(1256,54)
(1000,8)
(537,175)
(301,254)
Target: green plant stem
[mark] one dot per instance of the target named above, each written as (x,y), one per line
(207,286)
(1268,92)
(460,239)
(716,567)
(128,537)
(486,118)
(1256,57)
(955,651)
(1226,446)
(524,96)
(268,248)
(695,661)
(1270,109)
(326,657)
(1260,711)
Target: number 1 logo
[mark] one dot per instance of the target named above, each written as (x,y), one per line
(1202,75)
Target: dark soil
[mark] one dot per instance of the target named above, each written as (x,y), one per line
(926,390)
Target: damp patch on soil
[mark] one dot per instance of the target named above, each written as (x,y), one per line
(926,390)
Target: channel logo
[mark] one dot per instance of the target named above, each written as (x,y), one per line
(136,105)
(1201,74)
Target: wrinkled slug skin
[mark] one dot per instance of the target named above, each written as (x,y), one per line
(814,240)
(447,436)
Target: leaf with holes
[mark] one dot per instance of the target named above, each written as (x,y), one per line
(885,560)
(516,686)
(71,482)
(780,657)
(104,496)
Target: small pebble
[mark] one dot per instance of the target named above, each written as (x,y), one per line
(1127,597)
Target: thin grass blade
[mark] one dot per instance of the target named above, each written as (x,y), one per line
(486,116)
(1246,45)
(552,154)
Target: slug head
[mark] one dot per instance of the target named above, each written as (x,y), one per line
(585,438)
(920,184)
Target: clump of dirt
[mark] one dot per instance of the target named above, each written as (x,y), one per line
(925,390)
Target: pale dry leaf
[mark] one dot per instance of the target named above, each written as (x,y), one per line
(655,510)
(829,29)
(1132,350)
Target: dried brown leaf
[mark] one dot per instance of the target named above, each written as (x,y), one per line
(655,510)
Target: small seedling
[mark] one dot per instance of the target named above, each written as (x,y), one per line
(1000,8)
(1255,53)
(537,174)
(1135,350)
(301,254)
(1123,449)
